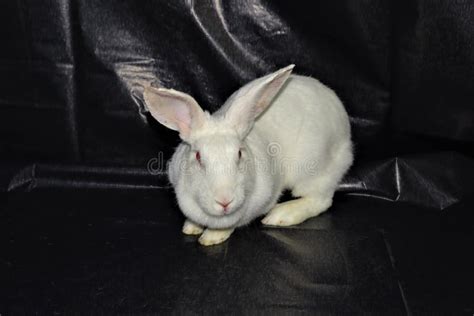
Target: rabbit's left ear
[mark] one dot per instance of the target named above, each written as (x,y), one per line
(254,98)
(174,109)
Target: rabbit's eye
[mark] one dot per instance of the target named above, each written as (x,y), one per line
(240,153)
(198,156)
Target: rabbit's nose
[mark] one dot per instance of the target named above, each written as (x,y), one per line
(224,203)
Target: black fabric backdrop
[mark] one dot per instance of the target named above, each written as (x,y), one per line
(72,72)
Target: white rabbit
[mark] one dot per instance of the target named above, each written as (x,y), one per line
(277,132)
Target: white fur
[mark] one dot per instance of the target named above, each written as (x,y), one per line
(294,134)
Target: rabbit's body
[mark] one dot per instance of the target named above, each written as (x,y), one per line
(307,129)
(293,132)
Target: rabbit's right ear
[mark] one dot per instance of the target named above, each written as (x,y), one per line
(175,110)
(254,98)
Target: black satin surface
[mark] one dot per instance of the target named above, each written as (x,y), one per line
(88,222)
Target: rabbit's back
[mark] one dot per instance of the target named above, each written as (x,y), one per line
(306,124)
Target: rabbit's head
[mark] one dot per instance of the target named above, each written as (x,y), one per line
(217,165)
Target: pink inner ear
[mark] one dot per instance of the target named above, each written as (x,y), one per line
(183,118)
(174,109)
(269,92)
(182,114)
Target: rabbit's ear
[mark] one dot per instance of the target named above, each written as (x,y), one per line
(175,110)
(254,98)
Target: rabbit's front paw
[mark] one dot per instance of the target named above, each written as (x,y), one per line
(189,228)
(214,236)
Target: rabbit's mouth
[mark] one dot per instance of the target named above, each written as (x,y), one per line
(220,211)
(223,209)
(220,221)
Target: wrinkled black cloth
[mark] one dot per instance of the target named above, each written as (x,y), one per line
(122,252)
